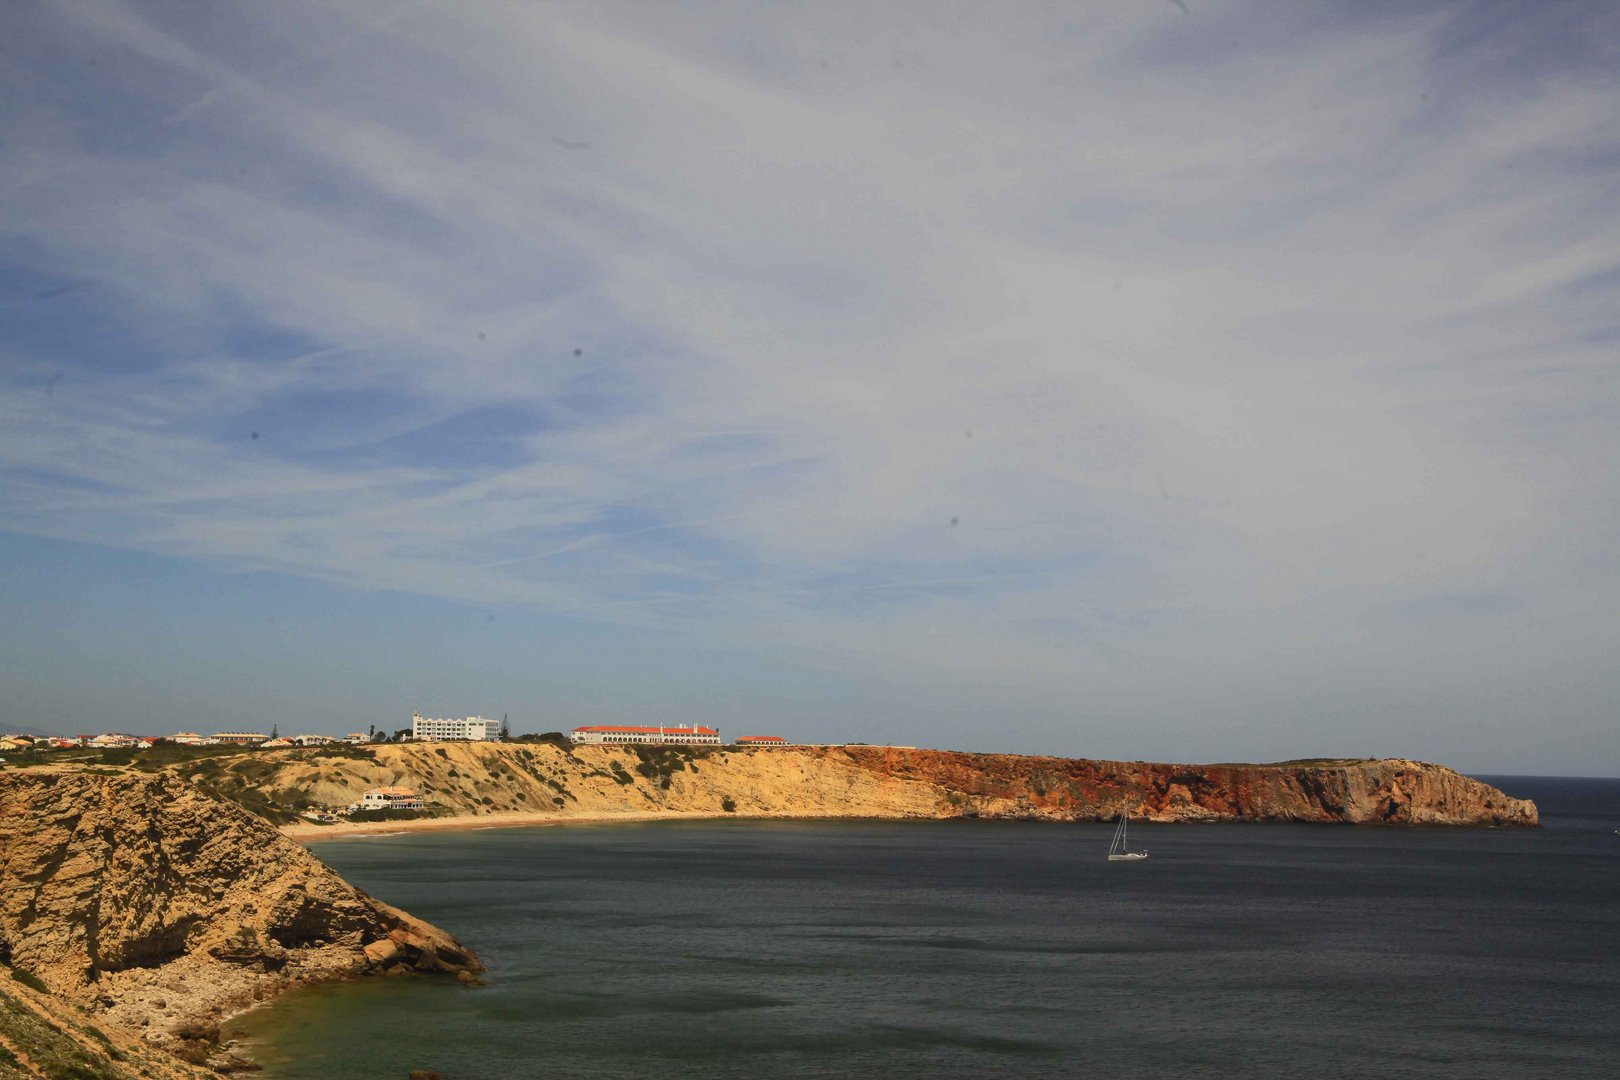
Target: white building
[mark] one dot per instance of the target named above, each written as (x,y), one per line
(390,798)
(603,733)
(241,738)
(470,727)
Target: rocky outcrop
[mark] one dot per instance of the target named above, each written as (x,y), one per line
(484,779)
(1384,792)
(161,908)
(42,1038)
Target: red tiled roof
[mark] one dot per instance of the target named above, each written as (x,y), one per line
(668,730)
(762,738)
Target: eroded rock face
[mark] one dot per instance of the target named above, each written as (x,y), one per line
(161,908)
(485,779)
(1391,791)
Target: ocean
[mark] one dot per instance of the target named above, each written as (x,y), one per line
(977,949)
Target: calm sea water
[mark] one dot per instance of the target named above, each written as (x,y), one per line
(963,949)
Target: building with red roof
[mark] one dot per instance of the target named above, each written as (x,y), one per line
(390,798)
(761,740)
(696,735)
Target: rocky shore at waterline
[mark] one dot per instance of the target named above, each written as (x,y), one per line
(151,909)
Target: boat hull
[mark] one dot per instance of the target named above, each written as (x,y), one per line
(1129,856)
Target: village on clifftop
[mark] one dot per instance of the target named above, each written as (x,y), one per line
(422,729)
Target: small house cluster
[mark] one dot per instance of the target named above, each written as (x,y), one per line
(423,729)
(387,798)
(118,740)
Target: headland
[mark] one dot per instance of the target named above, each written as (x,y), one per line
(486,784)
(140,905)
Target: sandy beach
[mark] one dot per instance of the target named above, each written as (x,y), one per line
(305,831)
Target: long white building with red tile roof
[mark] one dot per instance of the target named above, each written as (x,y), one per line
(696,735)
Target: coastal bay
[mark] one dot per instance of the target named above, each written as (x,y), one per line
(971,948)
(159,897)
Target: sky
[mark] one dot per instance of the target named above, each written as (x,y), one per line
(1188,381)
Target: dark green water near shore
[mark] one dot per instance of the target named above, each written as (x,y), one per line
(855,949)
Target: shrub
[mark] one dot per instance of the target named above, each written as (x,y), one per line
(728,804)
(551,738)
(390,815)
(30,980)
(659,762)
(340,750)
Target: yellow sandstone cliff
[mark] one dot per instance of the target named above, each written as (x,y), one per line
(137,908)
(483,779)
(158,908)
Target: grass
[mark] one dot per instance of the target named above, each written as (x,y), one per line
(30,980)
(52,1050)
(1296,763)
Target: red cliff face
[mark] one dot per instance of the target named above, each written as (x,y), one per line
(1391,791)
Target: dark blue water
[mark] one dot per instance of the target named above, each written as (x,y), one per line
(852,949)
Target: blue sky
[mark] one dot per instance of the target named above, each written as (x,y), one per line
(1199,382)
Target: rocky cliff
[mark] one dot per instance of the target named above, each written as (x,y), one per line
(1389,791)
(160,908)
(42,1038)
(855,781)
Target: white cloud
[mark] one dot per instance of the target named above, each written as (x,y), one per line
(1236,321)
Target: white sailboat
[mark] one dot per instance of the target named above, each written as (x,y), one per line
(1119,851)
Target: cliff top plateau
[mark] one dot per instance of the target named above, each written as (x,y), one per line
(551,780)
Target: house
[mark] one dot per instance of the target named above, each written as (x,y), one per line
(310,740)
(762,740)
(191,738)
(356,737)
(240,738)
(113,740)
(390,798)
(277,744)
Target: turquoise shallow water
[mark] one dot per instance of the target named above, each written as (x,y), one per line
(853,949)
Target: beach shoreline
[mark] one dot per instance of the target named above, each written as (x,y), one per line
(305,832)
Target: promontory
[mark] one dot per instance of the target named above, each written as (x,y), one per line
(141,904)
(136,911)
(552,780)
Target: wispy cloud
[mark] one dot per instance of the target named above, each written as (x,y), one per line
(964,338)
